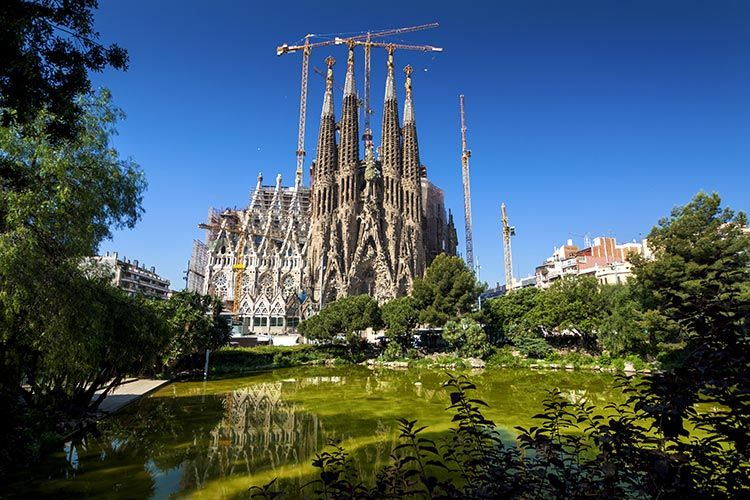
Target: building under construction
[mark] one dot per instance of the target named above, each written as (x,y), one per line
(366,225)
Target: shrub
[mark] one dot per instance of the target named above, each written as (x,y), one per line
(503,356)
(467,337)
(532,347)
(392,351)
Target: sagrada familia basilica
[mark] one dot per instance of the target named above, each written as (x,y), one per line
(364,226)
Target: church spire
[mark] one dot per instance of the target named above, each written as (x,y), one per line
(408,106)
(411,146)
(349,88)
(328,97)
(349,128)
(390,148)
(326,159)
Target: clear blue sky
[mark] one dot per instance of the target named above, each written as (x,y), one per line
(584,116)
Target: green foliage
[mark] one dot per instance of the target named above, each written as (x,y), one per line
(242,359)
(532,347)
(48,48)
(393,351)
(573,310)
(695,292)
(467,337)
(511,315)
(503,357)
(195,323)
(400,317)
(342,319)
(575,451)
(448,290)
(64,331)
(699,280)
(620,323)
(572,306)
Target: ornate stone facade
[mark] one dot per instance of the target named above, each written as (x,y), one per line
(366,225)
(256,258)
(368,217)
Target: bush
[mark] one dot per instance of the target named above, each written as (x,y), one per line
(243,359)
(467,338)
(392,351)
(532,347)
(503,357)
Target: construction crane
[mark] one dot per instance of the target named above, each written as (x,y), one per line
(390,47)
(306,48)
(508,231)
(465,155)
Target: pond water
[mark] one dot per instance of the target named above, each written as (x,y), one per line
(216,439)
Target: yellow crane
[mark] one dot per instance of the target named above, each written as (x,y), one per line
(508,231)
(239,260)
(306,48)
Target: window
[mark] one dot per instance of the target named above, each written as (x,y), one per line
(292,322)
(277,321)
(260,321)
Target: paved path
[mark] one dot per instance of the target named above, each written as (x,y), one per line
(128,392)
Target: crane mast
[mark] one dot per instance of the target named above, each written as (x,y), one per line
(302,111)
(508,231)
(465,155)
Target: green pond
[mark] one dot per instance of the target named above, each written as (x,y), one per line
(215,439)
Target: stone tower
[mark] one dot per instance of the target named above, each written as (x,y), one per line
(323,197)
(367,216)
(412,251)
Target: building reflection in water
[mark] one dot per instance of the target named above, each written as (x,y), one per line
(259,430)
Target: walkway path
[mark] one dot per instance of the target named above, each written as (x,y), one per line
(128,392)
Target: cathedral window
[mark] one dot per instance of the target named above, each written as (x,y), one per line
(292,322)
(275,321)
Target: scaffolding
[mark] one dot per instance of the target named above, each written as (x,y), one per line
(196,277)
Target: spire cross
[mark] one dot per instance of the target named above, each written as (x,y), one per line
(391,48)
(330,61)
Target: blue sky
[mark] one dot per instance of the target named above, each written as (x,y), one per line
(584,116)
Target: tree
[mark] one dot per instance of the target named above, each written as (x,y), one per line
(448,290)
(400,317)
(698,280)
(620,325)
(62,198)
(342,319)
(195,323)
(510,316)
(572,306)
(467,337)
(47,48)
(695,289)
